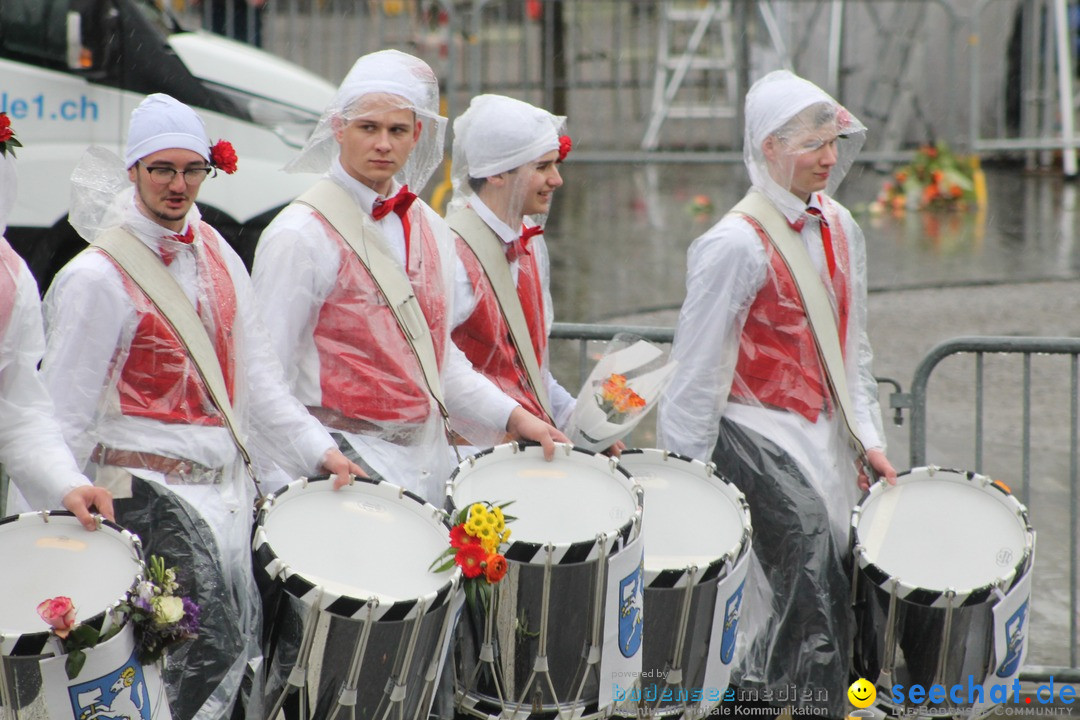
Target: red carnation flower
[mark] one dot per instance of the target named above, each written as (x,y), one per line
(223,157)
(565,146)
(8,141)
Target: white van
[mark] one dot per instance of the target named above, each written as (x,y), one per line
(71,72)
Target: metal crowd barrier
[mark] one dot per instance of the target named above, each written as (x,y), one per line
(988,409)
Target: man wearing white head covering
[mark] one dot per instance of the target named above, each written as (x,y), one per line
(505,171)
(138,412)
(324,298)
(750,393)
(32,448)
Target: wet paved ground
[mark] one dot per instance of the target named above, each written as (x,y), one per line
(619,236)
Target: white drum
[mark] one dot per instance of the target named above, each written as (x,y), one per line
(47,555)
(537,649)
(355,619)
(698,536)
(935,553)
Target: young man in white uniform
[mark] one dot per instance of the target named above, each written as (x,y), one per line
(32,448)
(347,356)
(137,412)
(505,172)
(750,393)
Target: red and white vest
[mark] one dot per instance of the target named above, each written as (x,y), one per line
(485,336)
(367,369)
(158,380)
(778,363)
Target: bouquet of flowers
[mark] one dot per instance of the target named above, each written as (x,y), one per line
(621,389)
(159,617)
(477,534)
(935,179)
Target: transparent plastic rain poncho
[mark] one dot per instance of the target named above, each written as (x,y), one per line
(32,448)
(499,144)
(119,381)
(741,336)
(388,79)
(342,347)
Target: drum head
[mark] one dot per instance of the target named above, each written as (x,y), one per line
(939,529)
(44,560)
(693,516)
(364,540)
(574,497)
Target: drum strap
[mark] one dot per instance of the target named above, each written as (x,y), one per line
(815,300)
(489,250)
(335,205)
(147,271)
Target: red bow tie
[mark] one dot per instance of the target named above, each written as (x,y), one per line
(521,246)
(399,203)
(167,254)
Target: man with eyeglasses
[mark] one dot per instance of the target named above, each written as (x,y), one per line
(159,395)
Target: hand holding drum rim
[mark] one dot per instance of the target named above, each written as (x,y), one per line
(83,499)
(342,468)
(879,465)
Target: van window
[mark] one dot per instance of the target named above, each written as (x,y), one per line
(34,29)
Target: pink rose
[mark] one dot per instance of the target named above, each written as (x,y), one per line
(59,612)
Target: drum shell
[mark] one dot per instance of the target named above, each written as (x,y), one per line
(518,608)
(569,566)
(919,639)
(20,661)
(335,640)
(944,575)
(662,609)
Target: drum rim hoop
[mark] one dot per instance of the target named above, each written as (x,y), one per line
(298,585)
(30,644)
(526,552)
(917,595)
(675,577)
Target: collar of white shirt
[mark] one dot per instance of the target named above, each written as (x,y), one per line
(506,233)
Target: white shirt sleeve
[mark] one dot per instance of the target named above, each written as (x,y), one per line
(726,268)
(32,446)
(295,439)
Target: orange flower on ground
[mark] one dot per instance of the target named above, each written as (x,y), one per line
(495,568)
(470,559)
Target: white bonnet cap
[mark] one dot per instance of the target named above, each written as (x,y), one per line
(498,133)
(161,122)
(777,104)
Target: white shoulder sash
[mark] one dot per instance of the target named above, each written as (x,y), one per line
(489,250)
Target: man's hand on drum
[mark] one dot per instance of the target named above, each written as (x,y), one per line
(616,449)
(85,498)
(523,425)
(879,464)
(342,468)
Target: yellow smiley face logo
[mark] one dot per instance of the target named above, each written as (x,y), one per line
(862,693)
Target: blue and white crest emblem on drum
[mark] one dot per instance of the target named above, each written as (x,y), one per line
(121,693)
(631,617)
(732,610)
(1016,632)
